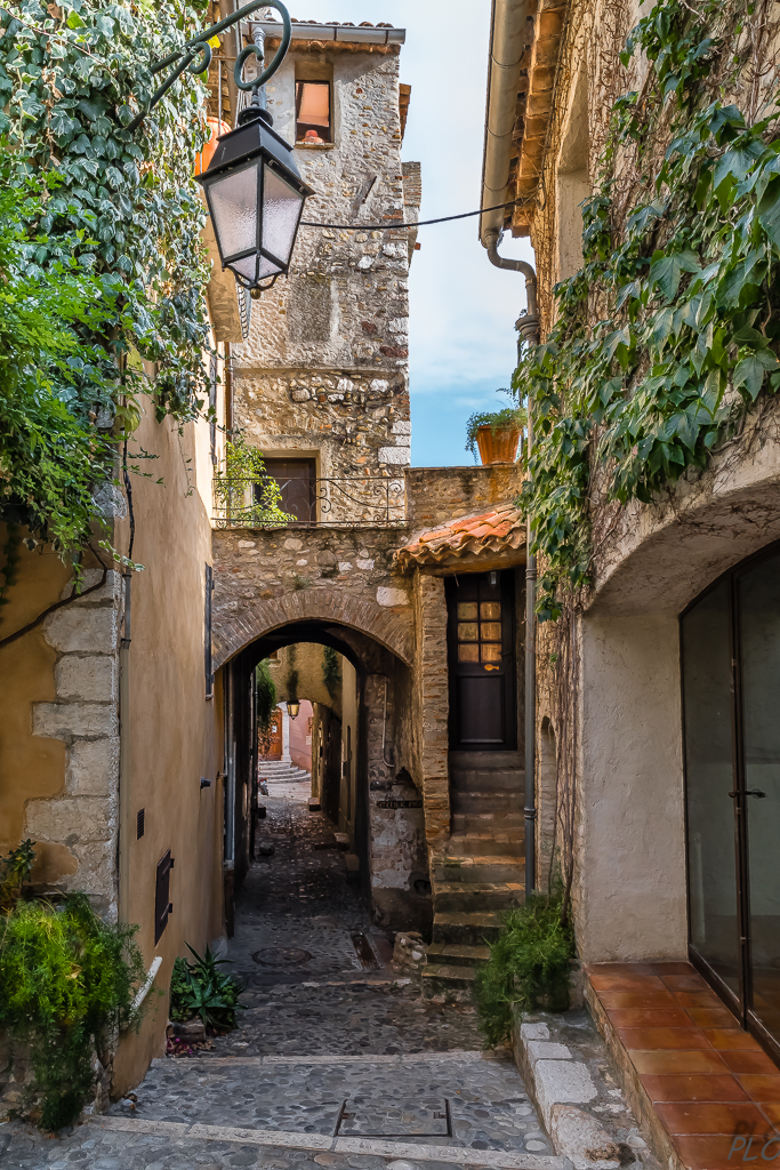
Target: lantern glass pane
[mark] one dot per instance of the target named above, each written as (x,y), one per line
(233,205)
(254,268)
(281,208)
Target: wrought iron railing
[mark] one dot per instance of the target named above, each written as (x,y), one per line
(366,501)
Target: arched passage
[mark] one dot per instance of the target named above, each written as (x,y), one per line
(362,778)
(237,626)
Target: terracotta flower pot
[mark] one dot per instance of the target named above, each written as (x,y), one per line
(205,156)
(499,445)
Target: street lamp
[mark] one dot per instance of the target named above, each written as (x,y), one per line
(253,188)
(255,197)
(293,708)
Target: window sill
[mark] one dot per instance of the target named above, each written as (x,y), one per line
(315,145)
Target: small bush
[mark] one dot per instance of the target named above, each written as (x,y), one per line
(529,966)
(199,988)
(67,982)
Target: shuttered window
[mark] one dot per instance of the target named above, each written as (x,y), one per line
(162,895)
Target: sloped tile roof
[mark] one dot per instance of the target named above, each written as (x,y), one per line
(501,530)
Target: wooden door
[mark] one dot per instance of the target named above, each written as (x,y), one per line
(271,747)
(297,480)
(481,628)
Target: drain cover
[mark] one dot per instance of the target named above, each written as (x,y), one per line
(281,956)
(423,1117)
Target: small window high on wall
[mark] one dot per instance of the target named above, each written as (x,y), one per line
(313,123)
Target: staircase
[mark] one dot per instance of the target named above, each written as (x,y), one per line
(277,771)
(479,873)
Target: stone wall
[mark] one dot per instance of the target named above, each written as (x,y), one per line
(84,818)
(324,370)
(609,723)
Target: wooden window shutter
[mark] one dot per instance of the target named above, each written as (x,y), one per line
(162,895)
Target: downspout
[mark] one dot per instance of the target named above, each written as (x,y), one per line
(511,33)
(527,327)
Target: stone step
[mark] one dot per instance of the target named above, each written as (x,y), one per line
(482,801)
(486,822)
(465,928)
(458,954)
(493,780)
(489,868)
(487,761)
(486,844)
(477,895)
(443,979)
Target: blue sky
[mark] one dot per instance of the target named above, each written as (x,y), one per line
(462,345)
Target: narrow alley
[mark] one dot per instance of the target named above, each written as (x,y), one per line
(337,1061)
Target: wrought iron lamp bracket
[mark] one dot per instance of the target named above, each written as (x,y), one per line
(195,56)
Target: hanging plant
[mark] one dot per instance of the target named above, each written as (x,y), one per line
(103,270)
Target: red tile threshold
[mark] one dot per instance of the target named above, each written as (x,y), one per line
(706,1090)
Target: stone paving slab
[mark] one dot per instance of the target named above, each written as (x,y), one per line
(488,1105)
(369,1040)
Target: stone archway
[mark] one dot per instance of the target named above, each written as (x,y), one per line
(237,624)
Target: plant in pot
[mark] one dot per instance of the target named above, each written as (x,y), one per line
(496,433)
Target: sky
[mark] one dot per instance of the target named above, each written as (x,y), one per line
(463,310)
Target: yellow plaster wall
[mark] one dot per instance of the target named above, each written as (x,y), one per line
(171,733)
(30,767)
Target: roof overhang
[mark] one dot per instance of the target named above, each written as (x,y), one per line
(525,38)
(349,34)
(486,540)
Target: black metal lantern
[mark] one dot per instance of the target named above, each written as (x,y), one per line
(255,197)
(293,707)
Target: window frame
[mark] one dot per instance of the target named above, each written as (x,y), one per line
(299,140)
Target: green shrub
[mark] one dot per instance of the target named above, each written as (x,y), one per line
(199,988)
(67,982)
(529,966)
(15,869)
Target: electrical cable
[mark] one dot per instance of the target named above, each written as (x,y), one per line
(415,223)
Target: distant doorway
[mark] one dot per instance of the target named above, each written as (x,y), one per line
(481,637)
(272,746)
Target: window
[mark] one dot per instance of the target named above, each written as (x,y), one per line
(313,112)
(297,479)
(208,661)
(162,893)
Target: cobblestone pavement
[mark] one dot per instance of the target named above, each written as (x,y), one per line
(334,1064)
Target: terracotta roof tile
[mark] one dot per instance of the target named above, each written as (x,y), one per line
(501,530)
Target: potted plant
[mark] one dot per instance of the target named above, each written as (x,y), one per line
(496,433)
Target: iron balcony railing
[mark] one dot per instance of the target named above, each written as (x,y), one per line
(366,501)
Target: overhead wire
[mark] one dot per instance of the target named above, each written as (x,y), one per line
(413,223)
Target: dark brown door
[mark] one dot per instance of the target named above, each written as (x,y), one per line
(271,746)
(481,625)
(297,480)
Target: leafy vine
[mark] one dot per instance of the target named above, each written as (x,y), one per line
(668,334)
(103,271)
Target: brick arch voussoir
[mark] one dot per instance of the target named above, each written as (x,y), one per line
(233,631)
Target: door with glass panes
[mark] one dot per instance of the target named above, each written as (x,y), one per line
(731,696)
(483,715)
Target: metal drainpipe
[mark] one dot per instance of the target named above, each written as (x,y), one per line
(527,328)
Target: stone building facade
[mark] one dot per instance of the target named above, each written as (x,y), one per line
(617,762)
(323,374)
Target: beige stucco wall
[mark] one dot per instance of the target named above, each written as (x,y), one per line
(170,729)
(630,889)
